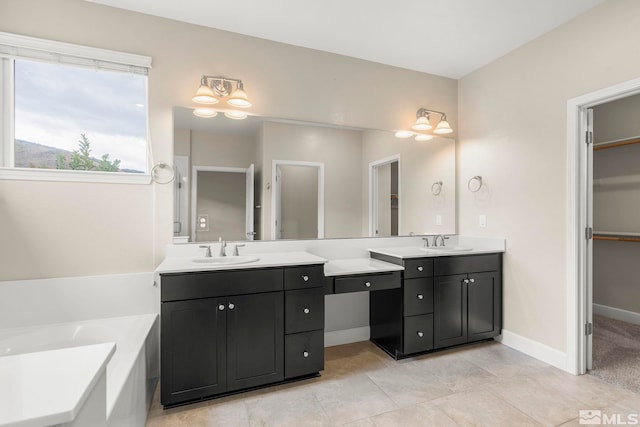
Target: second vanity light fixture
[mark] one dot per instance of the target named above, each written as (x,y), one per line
(423,123)
(213,89)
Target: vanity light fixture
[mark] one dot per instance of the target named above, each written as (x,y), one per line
(213,89)
(423,123)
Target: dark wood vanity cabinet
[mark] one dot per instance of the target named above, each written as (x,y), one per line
(223,331)
(467,299)
(443,301)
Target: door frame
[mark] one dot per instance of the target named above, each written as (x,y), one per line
(320,167)
(249,188)
(373,192)
(579,265)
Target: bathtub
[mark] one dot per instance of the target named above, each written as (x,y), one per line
(132,372)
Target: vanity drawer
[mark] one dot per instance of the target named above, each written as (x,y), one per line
(206,284)
(304,353)
(445,266)
(418,296)
(418,267)
(303,310)
(370,282)
(418,333)
(308,276)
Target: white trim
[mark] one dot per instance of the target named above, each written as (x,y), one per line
(64,175)
(320,166)
(14,45)
(373,194)
(534,349)
(346,336)
(577,265)
(617,313)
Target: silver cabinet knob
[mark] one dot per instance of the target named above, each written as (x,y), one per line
(367,284)
(420,268)
(305,354)
(420,334)
(305,278)
(472,280)
(306,311)
(420,296)
(231,306)
(221,307)
(466,281)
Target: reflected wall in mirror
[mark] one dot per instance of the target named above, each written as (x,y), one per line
(310,180)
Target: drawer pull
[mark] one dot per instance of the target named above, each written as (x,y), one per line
(221,307)
(306,311)
(305,278)
(231,306)
(420,296)
(305,354)
(367,284)
(420,268)
(420,334)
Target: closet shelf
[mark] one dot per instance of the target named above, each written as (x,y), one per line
(617,180)
(618,236)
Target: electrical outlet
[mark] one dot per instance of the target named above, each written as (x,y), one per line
(482,220)
(438,219)
(203,222)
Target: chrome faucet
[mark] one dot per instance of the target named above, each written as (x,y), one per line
(223,245)
(235,248)
(207,253)
(426,241)
(435,240)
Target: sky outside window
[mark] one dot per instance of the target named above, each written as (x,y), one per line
(55,104)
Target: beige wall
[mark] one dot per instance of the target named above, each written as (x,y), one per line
(513,132)
(616,208)
(58,229)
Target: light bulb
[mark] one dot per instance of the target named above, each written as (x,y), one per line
(204,95)
(205,112)
(404,134)
(235,114)
(423,137)
(443,128)
(422,123)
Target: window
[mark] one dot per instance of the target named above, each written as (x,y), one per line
(72,113)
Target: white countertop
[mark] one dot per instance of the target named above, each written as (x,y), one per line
(49,387)
(273,259)
(343,267)
(420,252)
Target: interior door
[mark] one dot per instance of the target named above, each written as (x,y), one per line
(250,202)
(589,243)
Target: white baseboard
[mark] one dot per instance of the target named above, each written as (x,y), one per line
(534,349)
(346,336)
(617,313)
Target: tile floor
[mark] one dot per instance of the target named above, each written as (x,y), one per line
(486,384)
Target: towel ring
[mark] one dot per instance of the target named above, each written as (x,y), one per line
(436,188)
(475,187)
(162,165)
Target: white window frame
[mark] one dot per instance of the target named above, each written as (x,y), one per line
(12,47)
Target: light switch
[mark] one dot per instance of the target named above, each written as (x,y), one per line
(482,220)
(438,219)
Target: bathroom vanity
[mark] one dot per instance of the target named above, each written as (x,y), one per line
(227,328)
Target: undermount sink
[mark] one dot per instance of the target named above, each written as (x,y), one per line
(226,260)
(447,248)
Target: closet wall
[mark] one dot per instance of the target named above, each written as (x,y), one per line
(616,206)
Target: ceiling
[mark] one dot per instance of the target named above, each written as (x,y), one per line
(449,38)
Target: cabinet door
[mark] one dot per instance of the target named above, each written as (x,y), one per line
(484,300)
(255,344)
(450,310)
(193,349)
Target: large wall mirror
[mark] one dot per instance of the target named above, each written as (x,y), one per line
(266,178)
